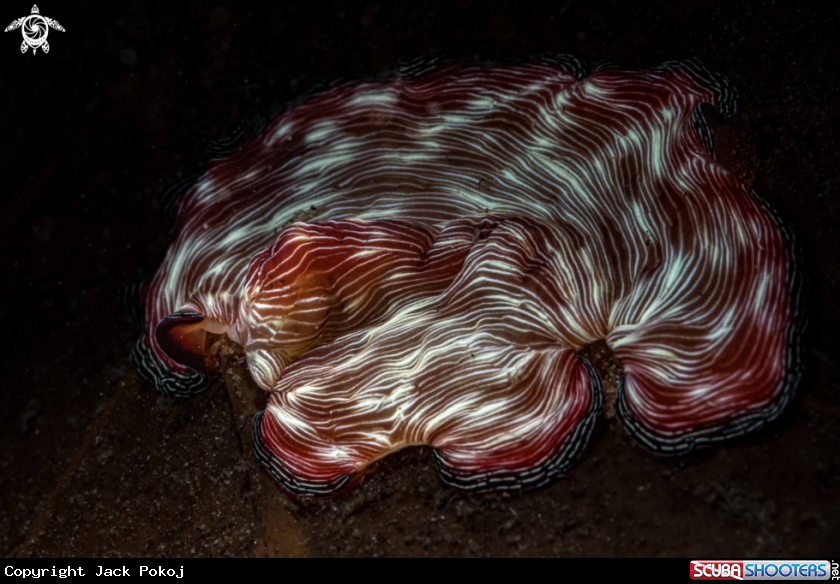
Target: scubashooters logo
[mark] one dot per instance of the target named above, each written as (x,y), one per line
(797,570)
(35,29)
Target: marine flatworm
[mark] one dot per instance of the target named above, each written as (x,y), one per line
(418,259)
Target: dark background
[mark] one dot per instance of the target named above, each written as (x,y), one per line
(94,462)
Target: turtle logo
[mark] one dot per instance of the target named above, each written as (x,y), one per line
(35,29)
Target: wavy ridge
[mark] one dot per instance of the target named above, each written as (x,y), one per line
(415,260)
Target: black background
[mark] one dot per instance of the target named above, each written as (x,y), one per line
(129,95)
